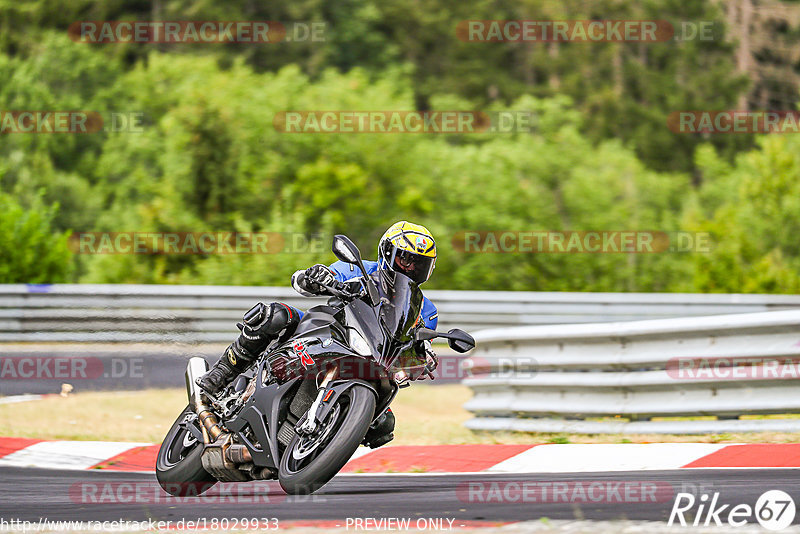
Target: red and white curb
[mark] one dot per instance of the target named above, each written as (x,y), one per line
(547,458)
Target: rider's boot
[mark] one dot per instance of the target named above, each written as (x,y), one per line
(234,361)
(381,431)
(261,325)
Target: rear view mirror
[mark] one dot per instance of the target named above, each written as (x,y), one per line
(346,250)
(426,334)
(460,341)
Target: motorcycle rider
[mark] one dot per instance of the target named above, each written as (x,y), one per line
(405,247)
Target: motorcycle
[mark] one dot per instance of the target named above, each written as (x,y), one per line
(303,409)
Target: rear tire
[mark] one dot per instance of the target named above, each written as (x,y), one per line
(356,407)
(179,469)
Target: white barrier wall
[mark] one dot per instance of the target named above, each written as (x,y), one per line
(628,377)
(153,313)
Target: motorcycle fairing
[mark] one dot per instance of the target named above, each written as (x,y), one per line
(264,426)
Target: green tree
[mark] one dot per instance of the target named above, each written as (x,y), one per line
(752,210)
(30,251)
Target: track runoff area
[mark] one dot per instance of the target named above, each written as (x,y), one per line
(62,486)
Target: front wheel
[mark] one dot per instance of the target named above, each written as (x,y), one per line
(179,469)
(309,462)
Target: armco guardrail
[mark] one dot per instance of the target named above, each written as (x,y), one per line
(639,377)
(199,314)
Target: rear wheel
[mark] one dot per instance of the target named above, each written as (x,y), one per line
(310,461)
(179,469)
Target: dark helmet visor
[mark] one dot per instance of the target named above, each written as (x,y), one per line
(415,266)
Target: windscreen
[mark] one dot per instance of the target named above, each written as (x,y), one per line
(401,308)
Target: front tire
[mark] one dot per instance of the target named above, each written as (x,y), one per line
(307,466)
(179,469)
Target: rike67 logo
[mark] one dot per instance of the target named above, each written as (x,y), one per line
(774,510)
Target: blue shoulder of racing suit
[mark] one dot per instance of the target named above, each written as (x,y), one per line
(347,271)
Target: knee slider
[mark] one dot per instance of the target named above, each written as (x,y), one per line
(284,320)
(263,323)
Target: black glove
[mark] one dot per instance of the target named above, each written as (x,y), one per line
(315,277)
(431,360)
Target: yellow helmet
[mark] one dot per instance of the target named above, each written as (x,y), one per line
(408,248)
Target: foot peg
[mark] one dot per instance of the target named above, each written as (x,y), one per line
(381,431)
(380,441)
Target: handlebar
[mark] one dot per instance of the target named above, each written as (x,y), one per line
(339,289)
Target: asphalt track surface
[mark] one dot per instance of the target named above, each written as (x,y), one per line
(32,494)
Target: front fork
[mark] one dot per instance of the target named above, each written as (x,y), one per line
(309,422)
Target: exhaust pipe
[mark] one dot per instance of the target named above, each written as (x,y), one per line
(196,368)
(220,455)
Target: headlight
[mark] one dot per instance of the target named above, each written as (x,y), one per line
(358,343)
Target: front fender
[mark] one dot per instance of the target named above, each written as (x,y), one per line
(335,390)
